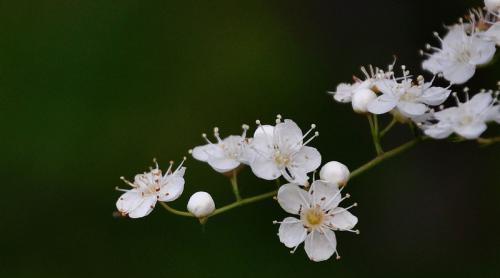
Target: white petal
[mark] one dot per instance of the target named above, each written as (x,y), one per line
(412,109)
(326,195)
(223,164)
(479,102)
(494,32)
(382,104)
(459,73)
(292,198)
(320,246)
(435,95)
(343,93)
(343,219)
(265,168)
(493,114)
(172,188)
(433,64)
(482,51)
(295,175)
(202,153)
(292,232)
(144,208)
(129,201)
(471,131)
(438,131)
(264,131)
(308,159)
(288,136)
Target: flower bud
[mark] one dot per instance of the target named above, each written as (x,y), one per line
(201,204)
(492,5)
(361,98)
(335,172)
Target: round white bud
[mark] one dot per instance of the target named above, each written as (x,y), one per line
(201,204)
(361,98)
(334,172)
(492,5)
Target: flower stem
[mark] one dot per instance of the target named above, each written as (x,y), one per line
(488,141)
(374,162)
(234,185)
(245,201)
(388,127)
(175,211)
(373,121)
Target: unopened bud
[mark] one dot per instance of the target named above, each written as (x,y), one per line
(335,172)
(361,98)
(201,204)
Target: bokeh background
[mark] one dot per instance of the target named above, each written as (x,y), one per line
(93,90)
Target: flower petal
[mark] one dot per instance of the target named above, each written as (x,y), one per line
(438,131)
(288,136)
(129,201)
(434,95)
(320,246)
(203,153)
(145,208)
(172,188)
(223,164)
(382,104)
(479,102)
(326,195)
(411,109)
(308,159)
(292,198)
(292,232)
(471,131)
(459,73)
(343,219)
(265,168)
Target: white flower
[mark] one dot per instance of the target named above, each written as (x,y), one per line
(334,172)
(409,99)
(150,187)
(319,216)
(359,92)
(226,154)
(201,204)
(281,151)
(492,5)
(467,119)
(461,51)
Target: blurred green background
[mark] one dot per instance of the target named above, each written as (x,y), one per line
(93,90)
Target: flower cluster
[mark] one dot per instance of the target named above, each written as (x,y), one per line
(274,151)
(282,150)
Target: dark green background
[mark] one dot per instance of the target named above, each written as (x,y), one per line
(92,90)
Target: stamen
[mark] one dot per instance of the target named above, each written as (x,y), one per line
(316,134)
(180,165)
(121,189)
(216,134)
(204,135)
(127,182)
(245,127)
(169,170)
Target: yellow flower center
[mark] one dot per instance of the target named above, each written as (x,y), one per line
(313,217)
